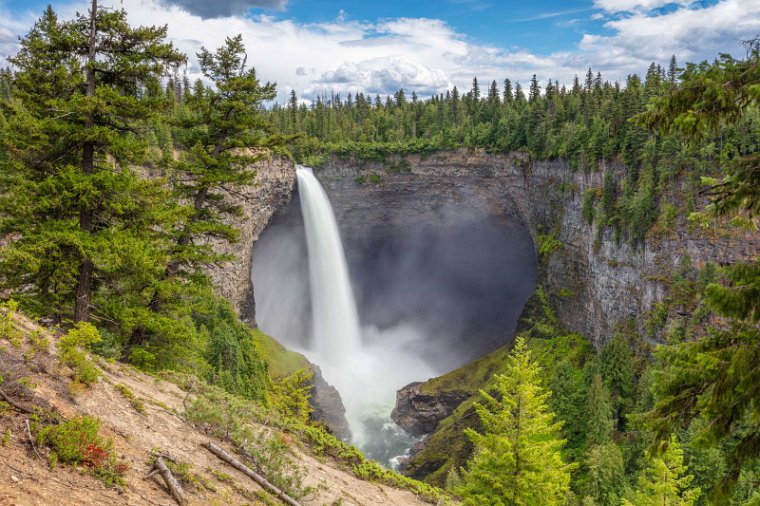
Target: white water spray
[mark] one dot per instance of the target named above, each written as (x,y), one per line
(336,323)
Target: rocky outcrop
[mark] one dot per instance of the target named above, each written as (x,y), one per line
(419,413)
(271,190)
(328,406)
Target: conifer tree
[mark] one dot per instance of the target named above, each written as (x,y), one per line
(606,474)
(599,423)
(221,132)
(665,482)
(715,377)
(517,458)
(616,362)
(82,215)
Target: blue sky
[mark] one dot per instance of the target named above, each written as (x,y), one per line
(316,46)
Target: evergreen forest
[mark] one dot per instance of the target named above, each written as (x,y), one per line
(115,177)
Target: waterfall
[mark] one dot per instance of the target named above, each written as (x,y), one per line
(336,323)
(366,375)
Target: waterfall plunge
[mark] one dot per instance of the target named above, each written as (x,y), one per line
(367,377)
(336,324)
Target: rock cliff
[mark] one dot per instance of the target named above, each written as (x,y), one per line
(594,282)
(272,189)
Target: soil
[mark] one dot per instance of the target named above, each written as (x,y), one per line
(27,479)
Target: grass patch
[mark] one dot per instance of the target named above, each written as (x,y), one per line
(128,394)
(282,362)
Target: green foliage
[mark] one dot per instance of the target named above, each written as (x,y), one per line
(291,394)
(616,366)
(70,346)
(714,377)
(517,458)
(664,481)
(605,482)
(233,353)
(600,424)
(78,442)
(370,470)
(547,245)
(83,217)
(589,199)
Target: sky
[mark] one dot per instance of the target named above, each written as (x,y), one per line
(323,46)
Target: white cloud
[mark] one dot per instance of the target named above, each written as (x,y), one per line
(691,34)
(429,56)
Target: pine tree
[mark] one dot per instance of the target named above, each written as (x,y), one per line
(517,458)
(84,218)
(221,132)
(665,482)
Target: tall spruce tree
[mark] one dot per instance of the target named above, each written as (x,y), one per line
(605,480)
(517,458)
(81,216)
(599,424)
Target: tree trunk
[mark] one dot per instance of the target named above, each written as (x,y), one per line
(86,267)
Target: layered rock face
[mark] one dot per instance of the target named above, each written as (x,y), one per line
(594,282)
(271,191)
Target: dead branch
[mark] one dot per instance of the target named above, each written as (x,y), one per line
(31,439)
(15,405)
(223,455)
(175,489)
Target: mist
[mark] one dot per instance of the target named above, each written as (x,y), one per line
(433,292)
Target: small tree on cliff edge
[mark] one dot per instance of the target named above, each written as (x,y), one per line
(517,459)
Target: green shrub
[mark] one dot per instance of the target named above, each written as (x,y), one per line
(548,244)
(78,442)
(8,328)
(291,394)
(81,336)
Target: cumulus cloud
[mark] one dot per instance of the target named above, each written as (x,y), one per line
(428,55)
(691,34)
(222,8)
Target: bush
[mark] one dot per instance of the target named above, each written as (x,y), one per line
(78,442)
(81,336)
(291,394)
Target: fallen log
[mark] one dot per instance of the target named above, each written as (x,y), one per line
(223,455)
(175,489)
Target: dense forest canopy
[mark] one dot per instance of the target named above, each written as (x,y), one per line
(114,172)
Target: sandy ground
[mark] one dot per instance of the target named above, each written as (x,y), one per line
(25,479)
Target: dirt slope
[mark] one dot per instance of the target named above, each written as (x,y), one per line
(26,479)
